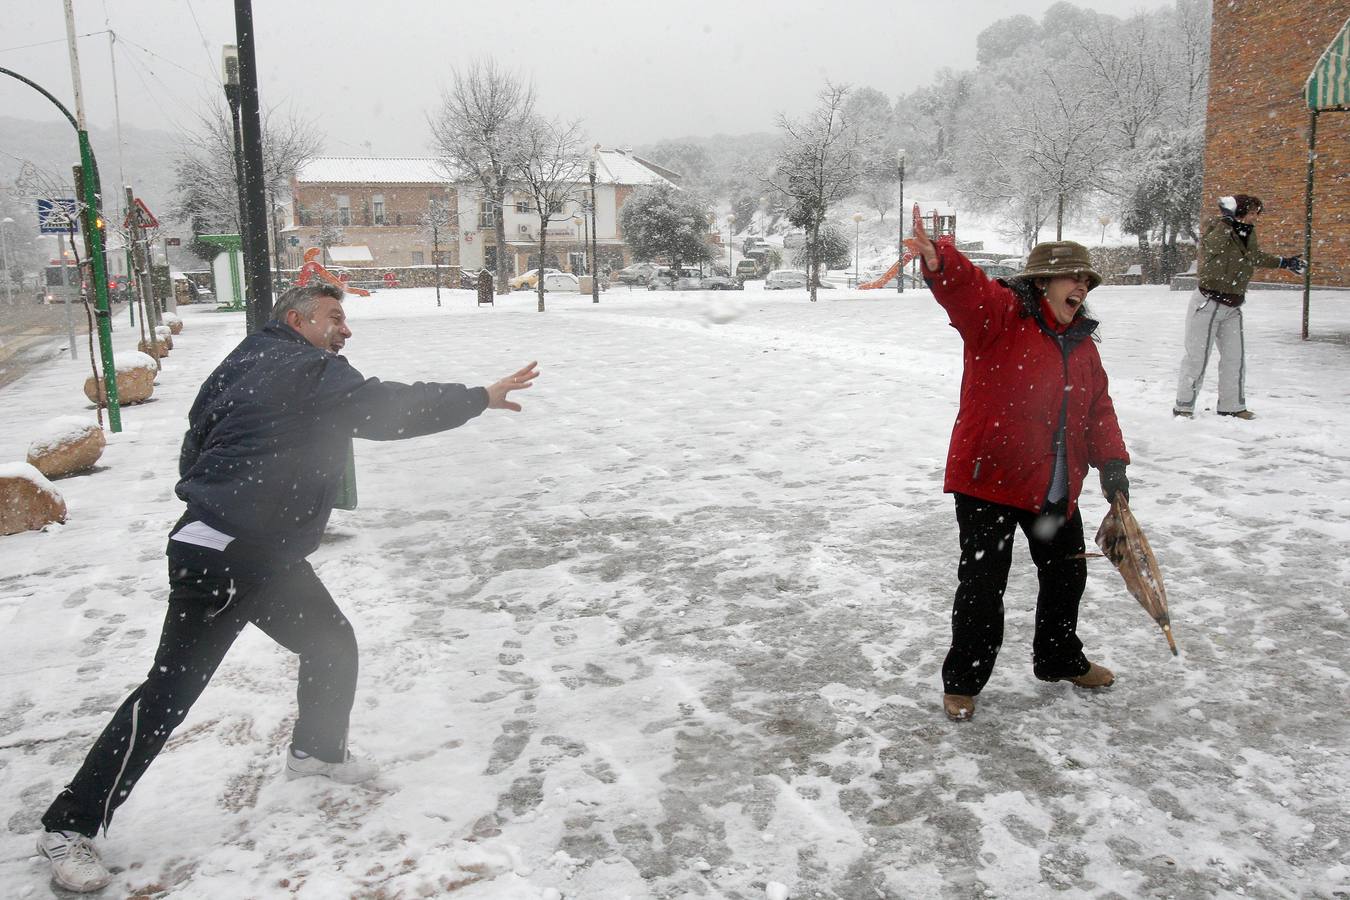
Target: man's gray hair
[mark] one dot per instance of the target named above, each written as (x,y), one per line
(304,300)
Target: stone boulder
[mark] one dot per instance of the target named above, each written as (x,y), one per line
(164,334)
(28,501)
(65,445)
(135,381)
(175,324)
(148,348)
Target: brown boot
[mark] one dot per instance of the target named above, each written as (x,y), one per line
(1095,677)
(959,707)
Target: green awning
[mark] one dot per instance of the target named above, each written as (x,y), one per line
(1329,83)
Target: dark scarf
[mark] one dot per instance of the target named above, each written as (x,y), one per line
(1242,229)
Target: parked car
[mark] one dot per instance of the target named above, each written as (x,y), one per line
(719,282)
(638,273)
(785,279)
(561,281)
(666,279)
(530,279)
(747,268)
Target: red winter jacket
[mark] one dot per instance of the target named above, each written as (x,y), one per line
(1022,378)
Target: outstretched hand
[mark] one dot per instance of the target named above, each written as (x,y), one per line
(517,381)
(923,245)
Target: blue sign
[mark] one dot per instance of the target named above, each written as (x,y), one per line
(60,216)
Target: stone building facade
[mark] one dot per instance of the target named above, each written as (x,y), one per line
(1256,140)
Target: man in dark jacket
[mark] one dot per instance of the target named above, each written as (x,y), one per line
(1228,256)
(261,466)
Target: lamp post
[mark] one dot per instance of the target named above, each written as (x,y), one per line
(595,258)
(857,223)
(4,256)
(731,239)
(900,244)
(229,76)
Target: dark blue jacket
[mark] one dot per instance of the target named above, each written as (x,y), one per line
(269,433)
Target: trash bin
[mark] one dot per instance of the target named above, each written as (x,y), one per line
(485,288)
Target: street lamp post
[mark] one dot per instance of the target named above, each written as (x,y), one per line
(4,256)
(857,223)
(900,274)
(731,239)
(595,259)
(229,66)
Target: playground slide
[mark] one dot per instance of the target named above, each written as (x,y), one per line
(935,230)
(315,269)
(892,272)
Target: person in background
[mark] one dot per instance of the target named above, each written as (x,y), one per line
(1034,414)
(261,467)
(1228,256)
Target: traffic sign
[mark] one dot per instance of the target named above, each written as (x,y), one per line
(139,216)
(60,216)
(173,242)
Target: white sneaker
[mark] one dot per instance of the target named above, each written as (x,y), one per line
(351,771)
(76,865)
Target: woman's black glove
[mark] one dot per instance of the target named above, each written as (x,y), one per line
(1294,264)
(1114,481)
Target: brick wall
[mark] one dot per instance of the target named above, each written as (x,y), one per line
(1256,139)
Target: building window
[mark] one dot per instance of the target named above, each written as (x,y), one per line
(344,209)
(523,206)
(554,207)
(377,202)
(418,258)
(485,214)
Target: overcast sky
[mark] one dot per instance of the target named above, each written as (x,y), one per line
(369,72)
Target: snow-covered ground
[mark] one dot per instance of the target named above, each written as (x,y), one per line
(675,630)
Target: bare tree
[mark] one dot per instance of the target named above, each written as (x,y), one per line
(551,168)
(480,131)
(437,223)
(205,183)
(821,161)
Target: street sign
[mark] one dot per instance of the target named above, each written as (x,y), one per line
(140,216)
(173,242)
(60,216)
(293,241)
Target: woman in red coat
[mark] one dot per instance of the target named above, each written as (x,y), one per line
(1035,414)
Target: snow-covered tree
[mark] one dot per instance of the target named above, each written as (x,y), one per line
(481,132)
(551,168)
(662,222)
(836,252)
(205,184)
(822,160)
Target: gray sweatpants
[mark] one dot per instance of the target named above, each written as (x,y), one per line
(1209,323)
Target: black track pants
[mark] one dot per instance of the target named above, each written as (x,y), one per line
(1056,546)
(204,617)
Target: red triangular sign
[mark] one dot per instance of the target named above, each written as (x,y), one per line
(140,216)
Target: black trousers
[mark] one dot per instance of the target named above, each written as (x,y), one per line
(204,617)
(1056,545)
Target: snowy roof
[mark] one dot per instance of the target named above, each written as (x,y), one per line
(622,167)
(377,170)
(612,167)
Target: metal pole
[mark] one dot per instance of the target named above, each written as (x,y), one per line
(4,254)
(232,95)
(1307,222)
(900,214)
(255,196)
(94,234)
(595,257)
(65,277)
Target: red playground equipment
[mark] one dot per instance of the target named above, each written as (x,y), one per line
(315,269)
(942,229)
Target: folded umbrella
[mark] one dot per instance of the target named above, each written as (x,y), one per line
(1123,542)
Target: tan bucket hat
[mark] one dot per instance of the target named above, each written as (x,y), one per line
(1052,258)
